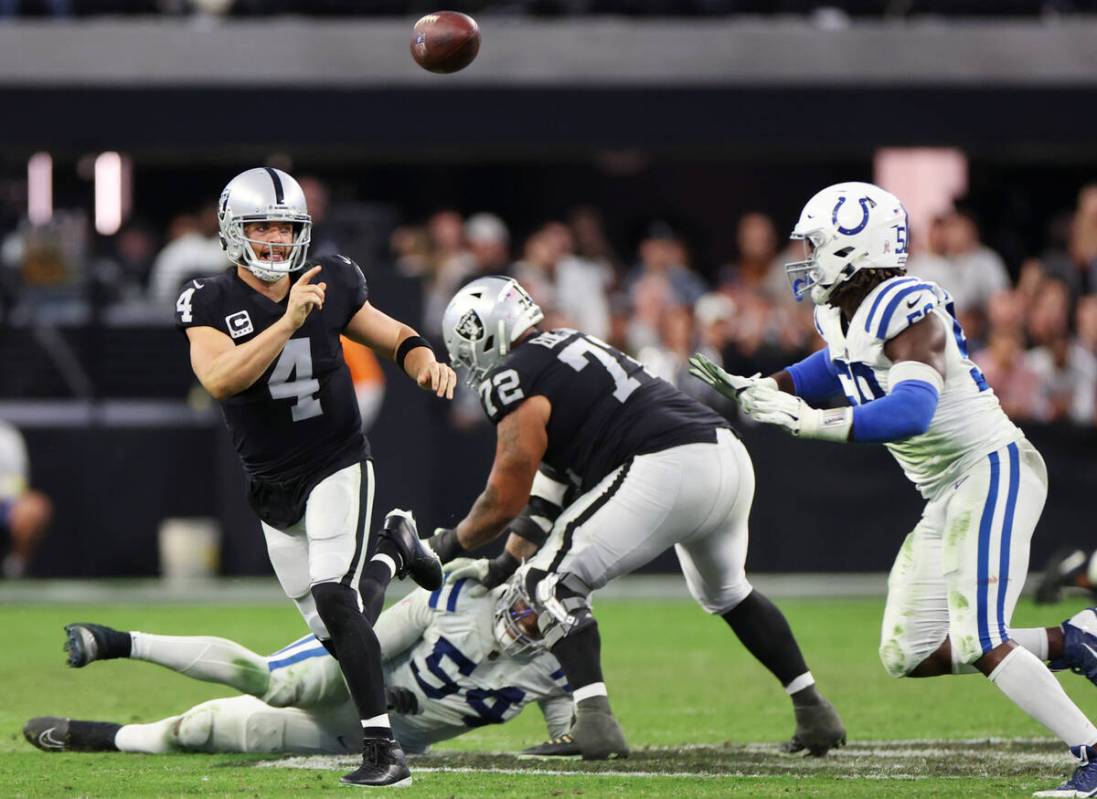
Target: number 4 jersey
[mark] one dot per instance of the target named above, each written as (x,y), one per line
(968,423)
(605,407)
(299,421)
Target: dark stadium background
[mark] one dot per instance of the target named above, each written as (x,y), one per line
(560,110)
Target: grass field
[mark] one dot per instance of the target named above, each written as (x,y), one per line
(703,717)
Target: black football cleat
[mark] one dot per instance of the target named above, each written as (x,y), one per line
(383,766)
(416,558)
(86,643)
(55,734)
(1063,569)
(818,730)
(48,733)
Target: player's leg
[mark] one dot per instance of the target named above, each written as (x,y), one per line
(239,724)
(337,520)
(23,521)
(713,563)
(200,657)
(1072,567)
(638,511)
(994,514)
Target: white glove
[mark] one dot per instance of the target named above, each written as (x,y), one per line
(731,386)
(475,569)
(767,405)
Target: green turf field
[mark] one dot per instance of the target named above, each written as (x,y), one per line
(702,715)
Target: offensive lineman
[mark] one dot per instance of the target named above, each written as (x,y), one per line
(266,346)
(654,469)
(896,351)
(454,660)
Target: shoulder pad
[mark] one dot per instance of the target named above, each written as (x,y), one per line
(899,303)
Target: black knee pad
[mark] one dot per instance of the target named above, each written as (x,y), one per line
(336,603)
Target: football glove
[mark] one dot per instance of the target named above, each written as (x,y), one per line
(731,386)
(487,573)
(768,405)
(401,700)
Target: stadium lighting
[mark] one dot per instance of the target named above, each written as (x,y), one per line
(40,188)
(111,192)
(928,179)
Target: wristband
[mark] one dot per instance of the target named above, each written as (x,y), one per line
(409,344)
(526,527)
(500,569)
(445,544)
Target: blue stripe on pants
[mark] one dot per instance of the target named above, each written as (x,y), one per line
(1007,532)
(304,654)
(985,525)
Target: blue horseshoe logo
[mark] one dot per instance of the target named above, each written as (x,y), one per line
(866,203)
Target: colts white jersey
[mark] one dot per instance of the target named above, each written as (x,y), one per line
(968,423)
(457,673)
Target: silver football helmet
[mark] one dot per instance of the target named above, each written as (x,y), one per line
(516,630)
(483,320)
(264,194)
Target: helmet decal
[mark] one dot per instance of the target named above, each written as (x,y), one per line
(866,203)
(470,327)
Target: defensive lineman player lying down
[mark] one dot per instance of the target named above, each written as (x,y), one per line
(452,662)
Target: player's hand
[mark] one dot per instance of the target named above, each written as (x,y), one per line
(770,406)
(401,700)
(304,297)
(731,386)
(437,377)
(476,569)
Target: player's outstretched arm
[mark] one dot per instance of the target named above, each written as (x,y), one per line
(521,441)
(400,343)
(224,369)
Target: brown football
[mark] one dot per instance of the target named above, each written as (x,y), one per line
(445,41)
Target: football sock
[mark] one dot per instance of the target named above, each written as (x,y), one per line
(153,739)
(356,645)
(1034,639)
(376,576)
(765,633)
(205,658)
(387,547)
(93,736)
(580,654)
(377,727)
(1028,683)
(113,644)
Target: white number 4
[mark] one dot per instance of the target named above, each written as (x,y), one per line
(296,361)
(183,306)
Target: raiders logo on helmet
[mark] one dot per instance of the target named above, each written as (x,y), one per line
(470,327)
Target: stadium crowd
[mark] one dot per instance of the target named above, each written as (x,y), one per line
(1033,331)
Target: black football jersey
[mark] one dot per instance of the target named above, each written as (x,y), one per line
(605,407)
(300,418)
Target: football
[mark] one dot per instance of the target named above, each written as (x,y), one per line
(445,41)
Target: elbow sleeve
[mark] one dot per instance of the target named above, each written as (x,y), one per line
(907,411)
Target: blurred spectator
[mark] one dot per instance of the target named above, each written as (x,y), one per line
(571,290)
(961,263)
(927,258)
(1009,373)
(757,269)
(1048,313)
(193,250)
(489,244)
(1068,381)
(450,265)
(318,200)
(668,358)
(368,379)
(1056,258)
(123,273)
(1086,323)
(660,281)
(591,242)
(1083,235)
(410,248)
(714,316)
(24,513)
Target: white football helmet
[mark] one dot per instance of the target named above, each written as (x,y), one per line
(264,194)
(483,320)
(847,227)
(516,630)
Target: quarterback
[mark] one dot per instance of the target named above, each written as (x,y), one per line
(264,341)
(454,660)
(897,354)
(641,468)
